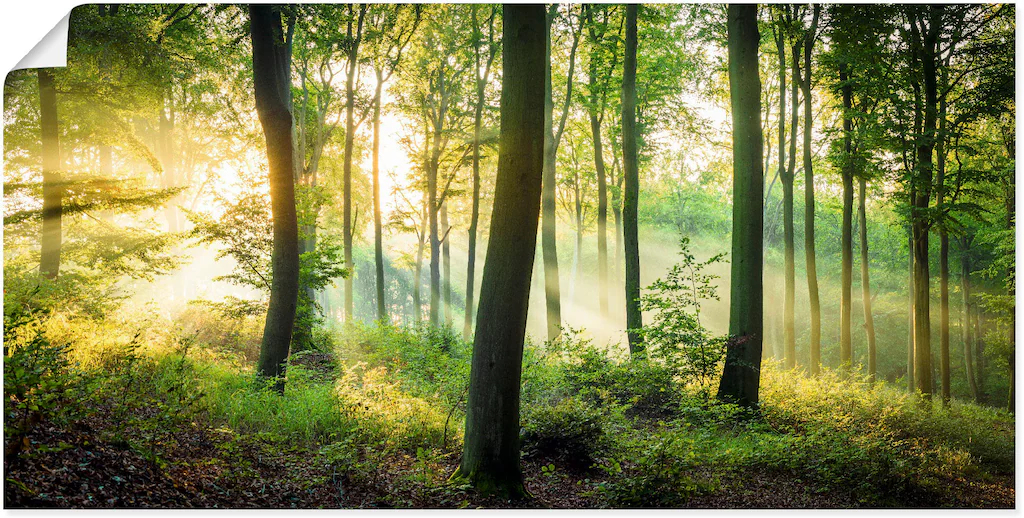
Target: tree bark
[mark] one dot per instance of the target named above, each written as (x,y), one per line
(53,190)
(741,375)
(846,277)
(865,282)
(271,57)
(940,195)
(631,175)
(809,251)
(490,457)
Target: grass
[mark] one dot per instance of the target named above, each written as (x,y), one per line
(628,434)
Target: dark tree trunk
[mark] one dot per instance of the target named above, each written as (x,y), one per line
(940,195)
(490,457)
(920,222)
(846,277)
(631,175)
(911,383)
(812,268)
(417,282)
(787,176)
(968,329)
(53,190)
(865,282)
(741,375)
(271,56)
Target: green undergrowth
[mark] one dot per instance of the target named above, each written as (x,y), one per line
(632,433)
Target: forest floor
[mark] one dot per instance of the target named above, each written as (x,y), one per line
(216,468)
(103,461)
(151,420)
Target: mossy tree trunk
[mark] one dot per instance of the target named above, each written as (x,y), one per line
(53,190)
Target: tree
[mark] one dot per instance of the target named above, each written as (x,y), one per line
(392,33)
(630,168)
(353,37)
(490,457)
(552,291)
(483,58)
(53,190)
(271,56)
(812,270)
(595,110)
(741,375)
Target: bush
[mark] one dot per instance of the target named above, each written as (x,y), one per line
(572,430)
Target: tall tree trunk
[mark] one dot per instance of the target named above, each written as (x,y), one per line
(350,130)
(271,56)
(435,239)
(865,282)
(446,263)
(166,147)
(940,186)
(846,282)
(631,175)
(812,268)
(741,374)
(552,136)
(53,190)
(979,354)
(911,382)
(378,227)
(490,457)
(552,288)
(789,230)
(787,177)
(602,183)
(481,82)
(920,221)
(965,287)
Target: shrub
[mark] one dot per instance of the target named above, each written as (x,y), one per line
(571,429)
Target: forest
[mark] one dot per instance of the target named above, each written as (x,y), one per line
(513,256)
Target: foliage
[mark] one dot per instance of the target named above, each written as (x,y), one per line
(676,335)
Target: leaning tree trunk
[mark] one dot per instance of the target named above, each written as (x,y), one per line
(812,268)
(869,320)
(602,182)
(846,277)
(631,174)
(491,457)
(271,56)
(741,375)
(53,190)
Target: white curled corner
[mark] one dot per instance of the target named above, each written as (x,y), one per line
(52,50)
